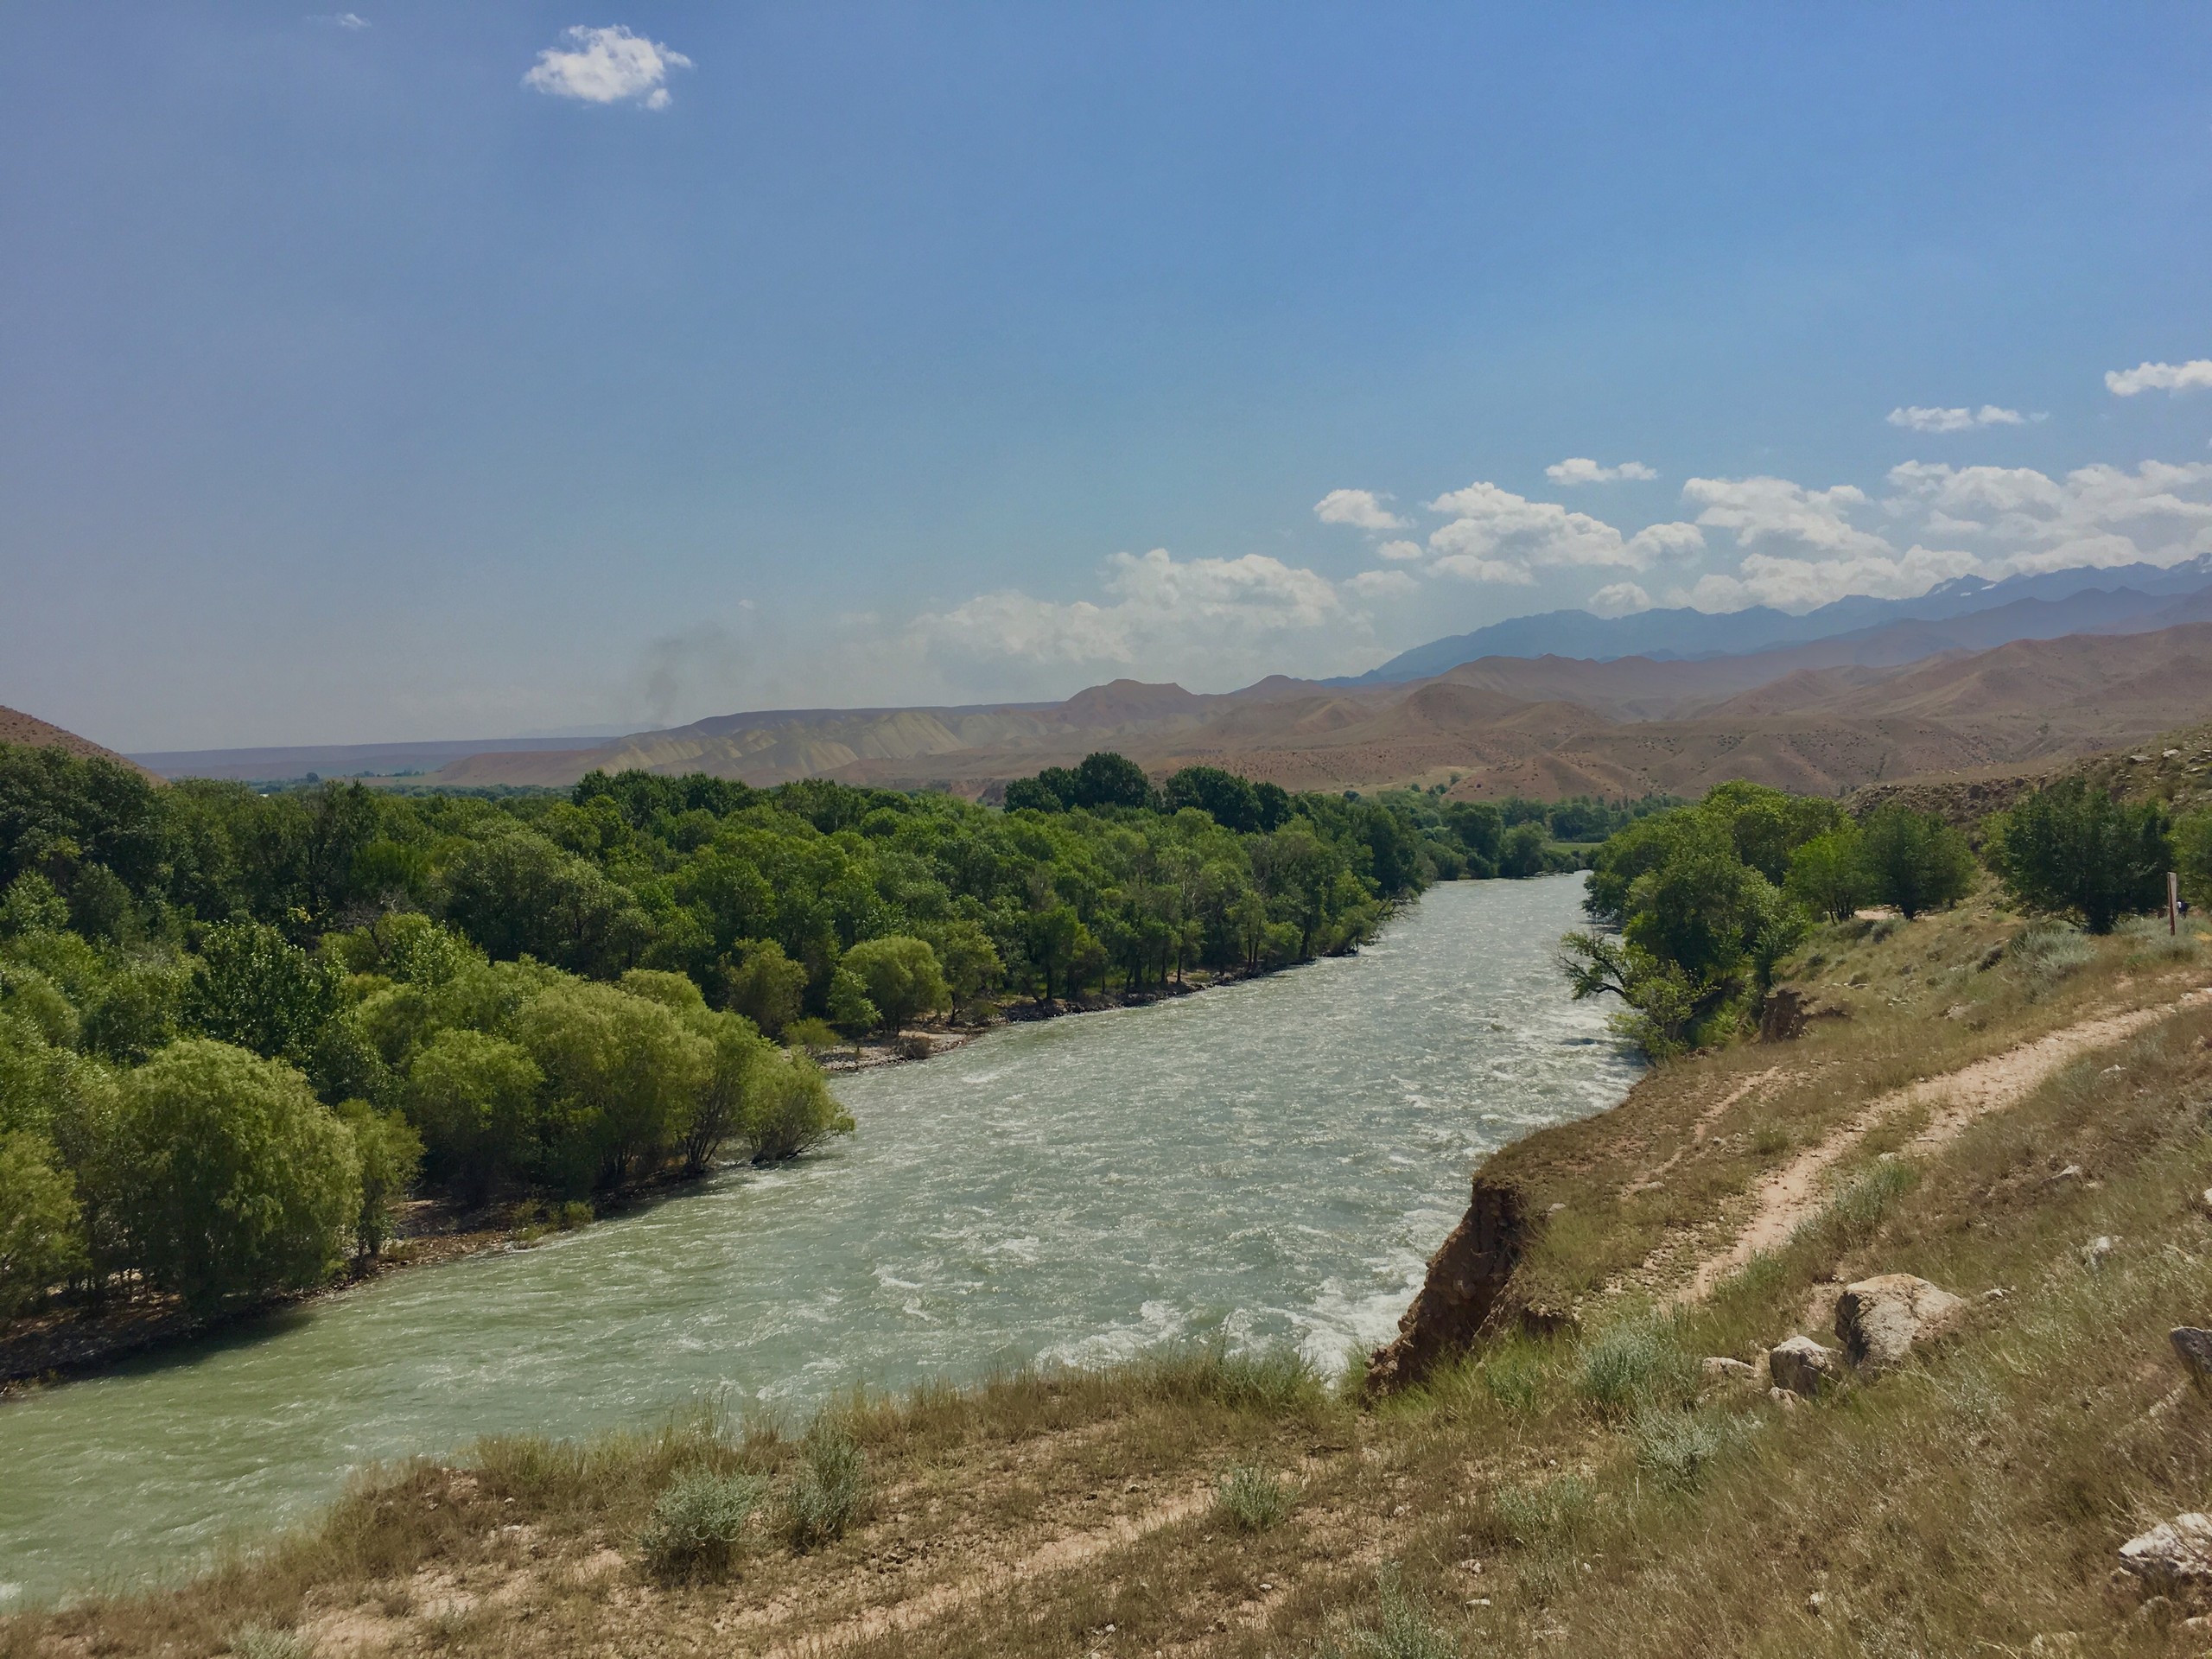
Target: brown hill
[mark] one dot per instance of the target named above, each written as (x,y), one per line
(1820,719)
(31,733)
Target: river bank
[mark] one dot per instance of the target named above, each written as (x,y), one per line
(1269,1164)
(73,1341)
(1582,1481)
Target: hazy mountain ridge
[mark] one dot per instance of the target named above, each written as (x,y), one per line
(1681,632)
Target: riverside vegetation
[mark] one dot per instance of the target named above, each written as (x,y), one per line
(236,1028)
(2003,1105)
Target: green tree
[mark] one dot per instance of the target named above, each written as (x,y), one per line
(622,1076)
(1229,800)
(2073,848)
(475,1099)
(850,1008)
(724,1108)
(31,905)
(1521,854)
(791,1111)
(1105,779)
(42,1240)
(1826,875)
(766,986)
(1913,860)
(251,988)
(390,1154)
(515,892)
(230,1180)
(901,977)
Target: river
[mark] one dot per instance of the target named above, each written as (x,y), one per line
(1268,1162)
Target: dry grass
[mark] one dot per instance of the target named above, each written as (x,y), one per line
(1581,1492)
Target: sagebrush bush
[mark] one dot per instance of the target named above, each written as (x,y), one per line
(1401,1630)
(2149,941)
(2045,951)
(698,1523)
(1635,1362)
(1251,1498)
(826,1493)
(1678,1447)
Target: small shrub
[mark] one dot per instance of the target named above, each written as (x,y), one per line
(1635,1362)
(1678,1447)
(259,1642)
(812,1035)
(827,1492)
(2044,952)
(1402,1630)
(574,1214)
(697,1523)
(1771,1140)
(2149,942)
(1551,1512)
(1251,1498)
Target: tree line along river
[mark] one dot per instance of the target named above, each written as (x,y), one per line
(1270,1162)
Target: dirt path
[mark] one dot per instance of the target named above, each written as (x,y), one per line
(1790,1195)
(1061,1555)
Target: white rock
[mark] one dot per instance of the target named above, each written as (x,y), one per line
(1803,1366)
(1719,1368)
(2173,1553)
(1880,1319)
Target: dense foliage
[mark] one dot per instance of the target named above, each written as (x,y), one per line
(2073,848)
(1693,907)
(236,1026)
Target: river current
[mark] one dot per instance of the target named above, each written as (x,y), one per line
(1270,1162)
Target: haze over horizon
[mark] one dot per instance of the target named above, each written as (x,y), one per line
(422,372)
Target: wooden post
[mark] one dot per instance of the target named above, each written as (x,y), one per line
(2173,904)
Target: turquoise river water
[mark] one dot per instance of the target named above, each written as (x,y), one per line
(1267,1162)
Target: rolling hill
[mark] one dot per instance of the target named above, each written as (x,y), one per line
(1821,718)
(30,732)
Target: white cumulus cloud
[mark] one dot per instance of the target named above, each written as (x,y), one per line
(2193,376)
(1383,584)
(606,66)
(1401,550)
(1497,536)
(1917,419)
(1619,599)
(1164,611)
(1774,515)
(1361,509)
(1580,469)
(343,20)
(1800,584)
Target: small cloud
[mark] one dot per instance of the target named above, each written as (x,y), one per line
(1917,419)
(1580,469)
(1382,584)
(1619,599)
(606,66)
(342,19)
(1361,509)
(2193,376)
(1400,551)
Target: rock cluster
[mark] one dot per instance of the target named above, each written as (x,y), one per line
(1878,1321)
(2175,1554)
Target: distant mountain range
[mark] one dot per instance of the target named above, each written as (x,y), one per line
(1972,676)
(2127,591)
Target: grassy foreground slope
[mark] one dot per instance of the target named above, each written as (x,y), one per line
(1981,1112)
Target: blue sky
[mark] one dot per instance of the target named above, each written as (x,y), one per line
(378,375)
